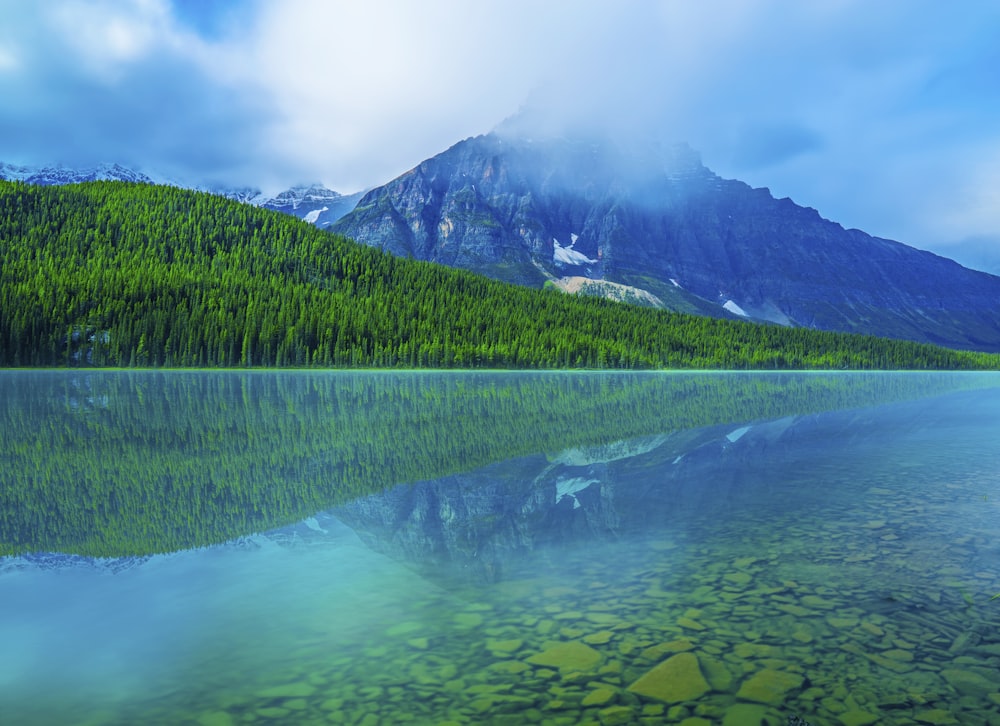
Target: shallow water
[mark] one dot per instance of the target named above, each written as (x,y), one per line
(833,559)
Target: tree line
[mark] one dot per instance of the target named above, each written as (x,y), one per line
(110,274)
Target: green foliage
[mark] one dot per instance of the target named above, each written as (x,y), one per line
(111,463)
(113,274)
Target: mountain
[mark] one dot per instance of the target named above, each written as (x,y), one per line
(122,274)
(59,174)
(312,202)
(655,219)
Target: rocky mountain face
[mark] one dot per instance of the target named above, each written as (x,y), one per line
(312,202)
(657,220)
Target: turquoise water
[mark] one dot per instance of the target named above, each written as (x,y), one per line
(663,548)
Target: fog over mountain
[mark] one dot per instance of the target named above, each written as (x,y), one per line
(650,223)
(882,116)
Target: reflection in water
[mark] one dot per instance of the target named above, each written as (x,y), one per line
(735,549)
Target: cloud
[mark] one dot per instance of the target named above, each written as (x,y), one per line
(8,60)
(366,90)
(121,81)
(880,115)
(759,146)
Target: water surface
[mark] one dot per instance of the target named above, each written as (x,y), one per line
(499,548)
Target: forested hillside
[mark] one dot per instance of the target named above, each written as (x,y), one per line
(117,274)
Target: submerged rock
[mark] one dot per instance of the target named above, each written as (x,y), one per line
(571,656)
(769,686)
(857,718)
(676,679)
(742,714)
(969,683)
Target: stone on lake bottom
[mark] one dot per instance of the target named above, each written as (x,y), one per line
(857,718)
(288,690)
(743,714)
(504,646)
(404,628)
(674,680)
(601,637)
(716,673)
(738,578)
(690,624)
(510,667)
(616,715)
(769,686)
(655,652)
(468,620)
(571,656)
(936,716)
(969,683)
(598,697)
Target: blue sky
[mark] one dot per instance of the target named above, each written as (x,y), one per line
(882,115)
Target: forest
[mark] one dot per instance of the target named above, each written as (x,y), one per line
(116,463)
(110,274)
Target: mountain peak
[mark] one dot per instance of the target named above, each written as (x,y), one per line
(61,174)
(532,209)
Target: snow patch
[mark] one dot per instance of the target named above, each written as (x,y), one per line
(567,255)
(314,215)
(734,308)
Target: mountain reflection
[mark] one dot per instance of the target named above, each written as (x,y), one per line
(116,464)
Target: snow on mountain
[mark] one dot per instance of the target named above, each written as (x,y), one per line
(734,308)
(59,174)
(313,203)
(312,216)
(569,256)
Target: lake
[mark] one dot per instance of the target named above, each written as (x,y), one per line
(381,548)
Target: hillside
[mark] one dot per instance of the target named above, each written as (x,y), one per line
(119,274)
(530,210)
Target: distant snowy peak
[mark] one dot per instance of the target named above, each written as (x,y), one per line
(298,196)
(313,203)
(59,174)
(244,195)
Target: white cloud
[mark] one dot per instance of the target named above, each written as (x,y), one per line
(104,35)
(9,60)
(882,116)
(970,206)
(363,91)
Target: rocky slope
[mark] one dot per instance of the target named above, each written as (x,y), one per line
(655,218)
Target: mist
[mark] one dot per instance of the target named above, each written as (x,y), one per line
(881,116)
